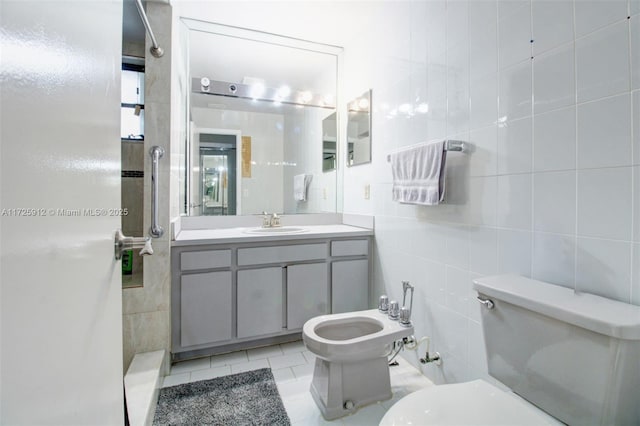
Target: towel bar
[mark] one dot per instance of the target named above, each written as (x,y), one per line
(449,145)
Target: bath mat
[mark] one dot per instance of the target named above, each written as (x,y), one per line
(249,398)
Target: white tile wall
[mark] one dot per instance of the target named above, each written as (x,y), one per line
(602,69)
(552,24)
(547,189)
(604,132)
(554,79)
(591,15)
(554,145)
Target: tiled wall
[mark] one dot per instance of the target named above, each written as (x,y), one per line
(547,94)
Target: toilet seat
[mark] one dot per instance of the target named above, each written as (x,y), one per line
(471,403)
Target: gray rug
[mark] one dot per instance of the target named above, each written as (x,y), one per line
(249,398)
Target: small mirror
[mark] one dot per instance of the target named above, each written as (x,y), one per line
(359,130)
(329,143)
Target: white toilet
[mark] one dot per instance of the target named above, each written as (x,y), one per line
(351,367)
(574,356)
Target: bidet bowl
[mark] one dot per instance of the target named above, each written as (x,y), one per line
(352,336)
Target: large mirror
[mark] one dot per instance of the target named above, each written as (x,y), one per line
(359,130)
(259,106)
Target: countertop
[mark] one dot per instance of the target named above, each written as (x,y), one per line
(190,237)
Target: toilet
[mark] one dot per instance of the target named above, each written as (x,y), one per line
(351,350)
(564,356)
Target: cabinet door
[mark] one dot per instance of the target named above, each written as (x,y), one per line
(259,302)
(307,293)
(205,308)
(349,286)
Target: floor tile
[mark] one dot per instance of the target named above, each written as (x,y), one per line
(287,360)
(176,379)
(300,407)
(283,374)
(266,352)
(304,370)
(210,373)
(229,359)
(366,416)
(290,347)
(191,365)
(248,366)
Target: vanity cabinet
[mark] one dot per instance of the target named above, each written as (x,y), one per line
(259,302)
(238,295)
(349,281)
(205,312)
(307,293)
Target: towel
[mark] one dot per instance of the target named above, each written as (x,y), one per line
(300,186)
(418,174)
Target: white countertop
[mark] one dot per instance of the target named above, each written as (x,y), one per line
(239,235)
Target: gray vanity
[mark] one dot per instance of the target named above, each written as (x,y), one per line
(234,290)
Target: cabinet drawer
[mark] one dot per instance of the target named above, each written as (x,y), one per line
(278,254)
(192,260)
(350,248)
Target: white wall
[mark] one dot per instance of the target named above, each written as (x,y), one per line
(61,306)
(263,190)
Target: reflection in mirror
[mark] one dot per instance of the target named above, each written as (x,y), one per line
(359,130)
(329,143)
(257,108)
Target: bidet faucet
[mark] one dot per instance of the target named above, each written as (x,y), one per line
(405,313)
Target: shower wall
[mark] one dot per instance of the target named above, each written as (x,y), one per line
(132,201)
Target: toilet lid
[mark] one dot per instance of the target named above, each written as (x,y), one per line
(471,403)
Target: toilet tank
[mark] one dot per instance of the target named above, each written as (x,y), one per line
(574,355)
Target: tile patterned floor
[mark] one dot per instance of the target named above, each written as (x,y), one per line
(292,367)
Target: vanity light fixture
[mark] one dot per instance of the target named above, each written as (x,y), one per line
(256,90)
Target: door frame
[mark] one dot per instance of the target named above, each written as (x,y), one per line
(196,140)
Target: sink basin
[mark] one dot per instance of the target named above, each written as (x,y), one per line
(281,230)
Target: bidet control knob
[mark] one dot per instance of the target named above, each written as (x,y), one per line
(394,310)
(383,303)
(405,315)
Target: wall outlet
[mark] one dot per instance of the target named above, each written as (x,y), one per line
(367,191)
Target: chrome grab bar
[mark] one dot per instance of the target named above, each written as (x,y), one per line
(123,243)
(155,49)
(156,230)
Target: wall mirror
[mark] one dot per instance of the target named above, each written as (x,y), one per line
(330,143)
(359,130)
(257,108)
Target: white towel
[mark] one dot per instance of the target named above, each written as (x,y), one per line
(300,186)
(418,174)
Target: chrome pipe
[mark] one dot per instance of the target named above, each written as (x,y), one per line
(155,49)
(156,230)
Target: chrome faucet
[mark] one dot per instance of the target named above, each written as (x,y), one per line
(266,220)
(275,220)
(270,220)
